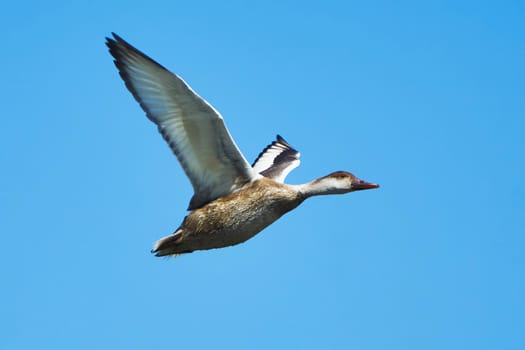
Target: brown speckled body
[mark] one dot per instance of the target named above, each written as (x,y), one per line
(232,219)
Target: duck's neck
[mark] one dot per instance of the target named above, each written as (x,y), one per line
(325,185)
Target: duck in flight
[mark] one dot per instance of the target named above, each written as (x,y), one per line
(233,200)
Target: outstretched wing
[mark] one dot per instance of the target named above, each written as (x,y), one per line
(194,130)
(277,160)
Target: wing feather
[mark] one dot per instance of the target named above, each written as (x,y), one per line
(277,160)
(194,130)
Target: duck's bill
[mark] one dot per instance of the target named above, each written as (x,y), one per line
(359,184)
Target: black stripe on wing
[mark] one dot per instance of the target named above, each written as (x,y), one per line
(277,160)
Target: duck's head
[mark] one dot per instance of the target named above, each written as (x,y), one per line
(341,182)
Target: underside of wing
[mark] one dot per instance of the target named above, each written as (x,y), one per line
(194,130)
(277,160)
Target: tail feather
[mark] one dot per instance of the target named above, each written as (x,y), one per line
(170,245)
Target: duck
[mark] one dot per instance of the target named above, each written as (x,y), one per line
(233,200)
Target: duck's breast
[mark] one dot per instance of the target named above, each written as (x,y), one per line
(241,215)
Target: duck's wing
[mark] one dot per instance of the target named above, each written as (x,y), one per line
(277,160)
(194,130)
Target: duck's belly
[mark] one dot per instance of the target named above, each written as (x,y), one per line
(239,229)
(229,221)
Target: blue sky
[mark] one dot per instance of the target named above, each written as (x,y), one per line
(425,98)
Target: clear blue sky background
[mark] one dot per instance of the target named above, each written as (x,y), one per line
(424,97)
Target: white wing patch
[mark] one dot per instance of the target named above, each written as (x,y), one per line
(277,160)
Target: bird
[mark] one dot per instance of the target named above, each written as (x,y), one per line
(233,200)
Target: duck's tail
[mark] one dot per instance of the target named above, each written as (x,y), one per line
(170,245)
